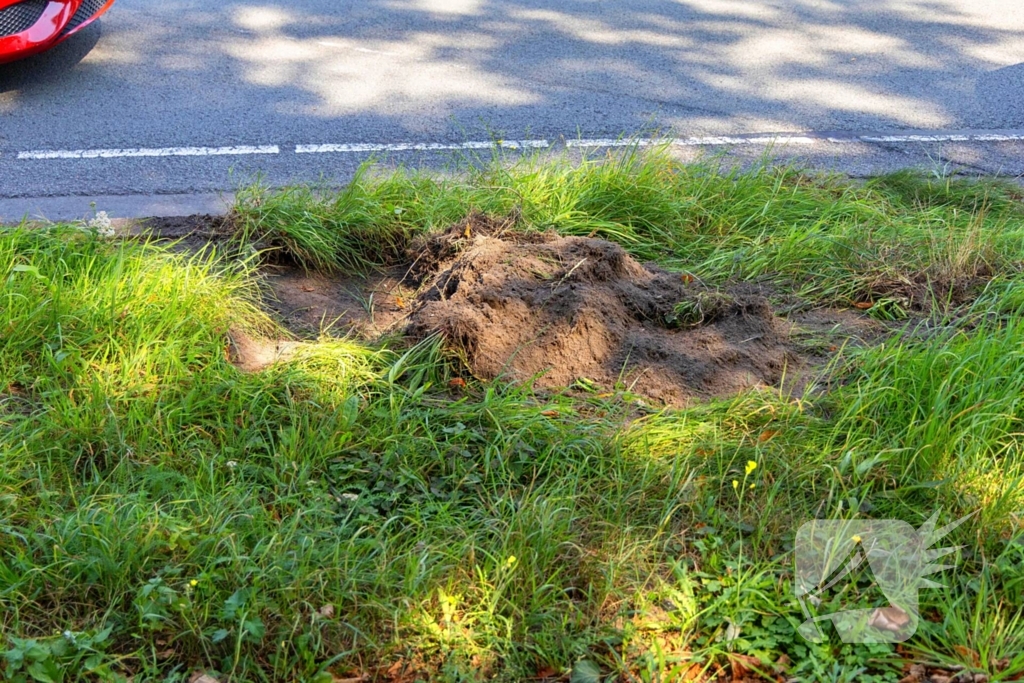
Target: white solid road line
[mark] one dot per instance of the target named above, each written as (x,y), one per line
(363,148)
(151,152)
(757,140)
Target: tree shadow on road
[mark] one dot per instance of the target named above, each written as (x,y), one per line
(608,67)
(299,72)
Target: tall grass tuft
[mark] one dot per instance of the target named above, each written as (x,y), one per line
(833,240)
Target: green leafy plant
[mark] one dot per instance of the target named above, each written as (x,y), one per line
(66,657)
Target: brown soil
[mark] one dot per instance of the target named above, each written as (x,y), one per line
(310,303)
(252,354)
(187,233)
(557,310)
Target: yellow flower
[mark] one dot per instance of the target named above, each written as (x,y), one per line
(735,484)
(753,485)
(751,466)
(511,560)
(856,539)
(193,583)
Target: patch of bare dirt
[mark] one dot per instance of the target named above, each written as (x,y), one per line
(310,303)
(558,310)
(16,400)
(822,331)
(188,233)
(252,354)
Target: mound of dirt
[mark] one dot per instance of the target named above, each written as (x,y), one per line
(563,310)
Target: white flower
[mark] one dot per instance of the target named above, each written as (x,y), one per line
(102,224)
(232,464)
(350,496)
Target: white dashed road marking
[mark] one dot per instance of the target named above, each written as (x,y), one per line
(144,152)
(418,147)
(978,137)
(699,141)
(363,148)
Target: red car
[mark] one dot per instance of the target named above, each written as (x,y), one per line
(31,26)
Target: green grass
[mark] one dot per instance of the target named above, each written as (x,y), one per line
(346,513)
(833,241)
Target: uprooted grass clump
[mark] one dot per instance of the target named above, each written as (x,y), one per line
(357,511)
(700,307)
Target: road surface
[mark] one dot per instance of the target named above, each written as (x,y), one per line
(174,101)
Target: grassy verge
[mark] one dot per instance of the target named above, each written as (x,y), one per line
(349,513)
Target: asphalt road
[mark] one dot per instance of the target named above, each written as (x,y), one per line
(213,93)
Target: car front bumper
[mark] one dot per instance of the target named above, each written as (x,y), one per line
(28,27)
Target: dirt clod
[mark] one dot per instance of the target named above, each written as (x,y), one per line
(561,310)
(251,354)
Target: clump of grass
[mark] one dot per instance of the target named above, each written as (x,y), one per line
(703,307)
(944,409)
(320,229)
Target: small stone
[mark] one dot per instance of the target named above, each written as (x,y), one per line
(200,677)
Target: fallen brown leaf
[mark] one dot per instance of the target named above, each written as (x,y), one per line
(743,665)
(396,668)
(694,673)
(915,675)
(967,653)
